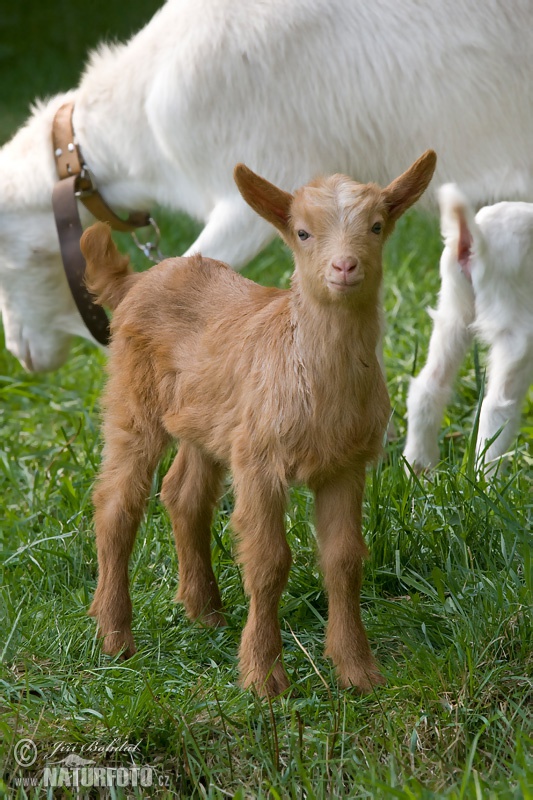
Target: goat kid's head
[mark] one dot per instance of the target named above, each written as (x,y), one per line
(336,227)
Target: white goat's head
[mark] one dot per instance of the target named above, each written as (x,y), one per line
(38,313)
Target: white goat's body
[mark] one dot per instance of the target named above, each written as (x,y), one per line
(294,89)
(498,306)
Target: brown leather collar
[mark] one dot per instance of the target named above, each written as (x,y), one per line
(76,183)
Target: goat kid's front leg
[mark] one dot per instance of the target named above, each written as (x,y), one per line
(342,550)
(258,521)
(190,491)
(430,391)
(510,374)
(119,501)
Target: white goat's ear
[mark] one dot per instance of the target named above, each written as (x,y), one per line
(405,190)
(266,199)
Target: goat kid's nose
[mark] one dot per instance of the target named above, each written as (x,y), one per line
(345,266)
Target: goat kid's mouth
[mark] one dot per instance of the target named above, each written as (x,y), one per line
(344,284)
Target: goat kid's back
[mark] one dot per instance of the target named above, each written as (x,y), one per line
(279,386)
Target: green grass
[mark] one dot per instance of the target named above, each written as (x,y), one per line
(446,600)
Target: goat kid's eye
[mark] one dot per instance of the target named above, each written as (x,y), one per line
(377,227)
(303,235)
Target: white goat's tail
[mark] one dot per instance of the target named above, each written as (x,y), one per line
(460,232)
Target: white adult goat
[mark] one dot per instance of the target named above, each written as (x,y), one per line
(293,89)
(487,288)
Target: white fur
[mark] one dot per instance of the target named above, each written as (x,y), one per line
(292,89)
(498,306)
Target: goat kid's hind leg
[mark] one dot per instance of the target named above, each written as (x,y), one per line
(258,521)
(510,375)
(342,550)
(119,498)
(430,391)
(190,491)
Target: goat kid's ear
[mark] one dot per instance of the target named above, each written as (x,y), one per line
(267,200)
(405,190)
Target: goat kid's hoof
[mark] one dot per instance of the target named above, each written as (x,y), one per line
(362,678)
(215,619)
(273,684)
(207,619)
(118,644)
(203,608)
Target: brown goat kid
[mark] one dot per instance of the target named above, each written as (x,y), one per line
(280,387)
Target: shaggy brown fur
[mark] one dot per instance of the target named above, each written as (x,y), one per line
(280,387)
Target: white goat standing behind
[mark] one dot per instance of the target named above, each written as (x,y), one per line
(294,90)
(487,288)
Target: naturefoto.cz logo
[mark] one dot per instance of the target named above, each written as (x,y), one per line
(75,771)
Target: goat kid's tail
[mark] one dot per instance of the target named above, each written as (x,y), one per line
(108,274)
(459,228)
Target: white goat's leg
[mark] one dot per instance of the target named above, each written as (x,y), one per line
(233,234)
(430,391)
(510,374)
